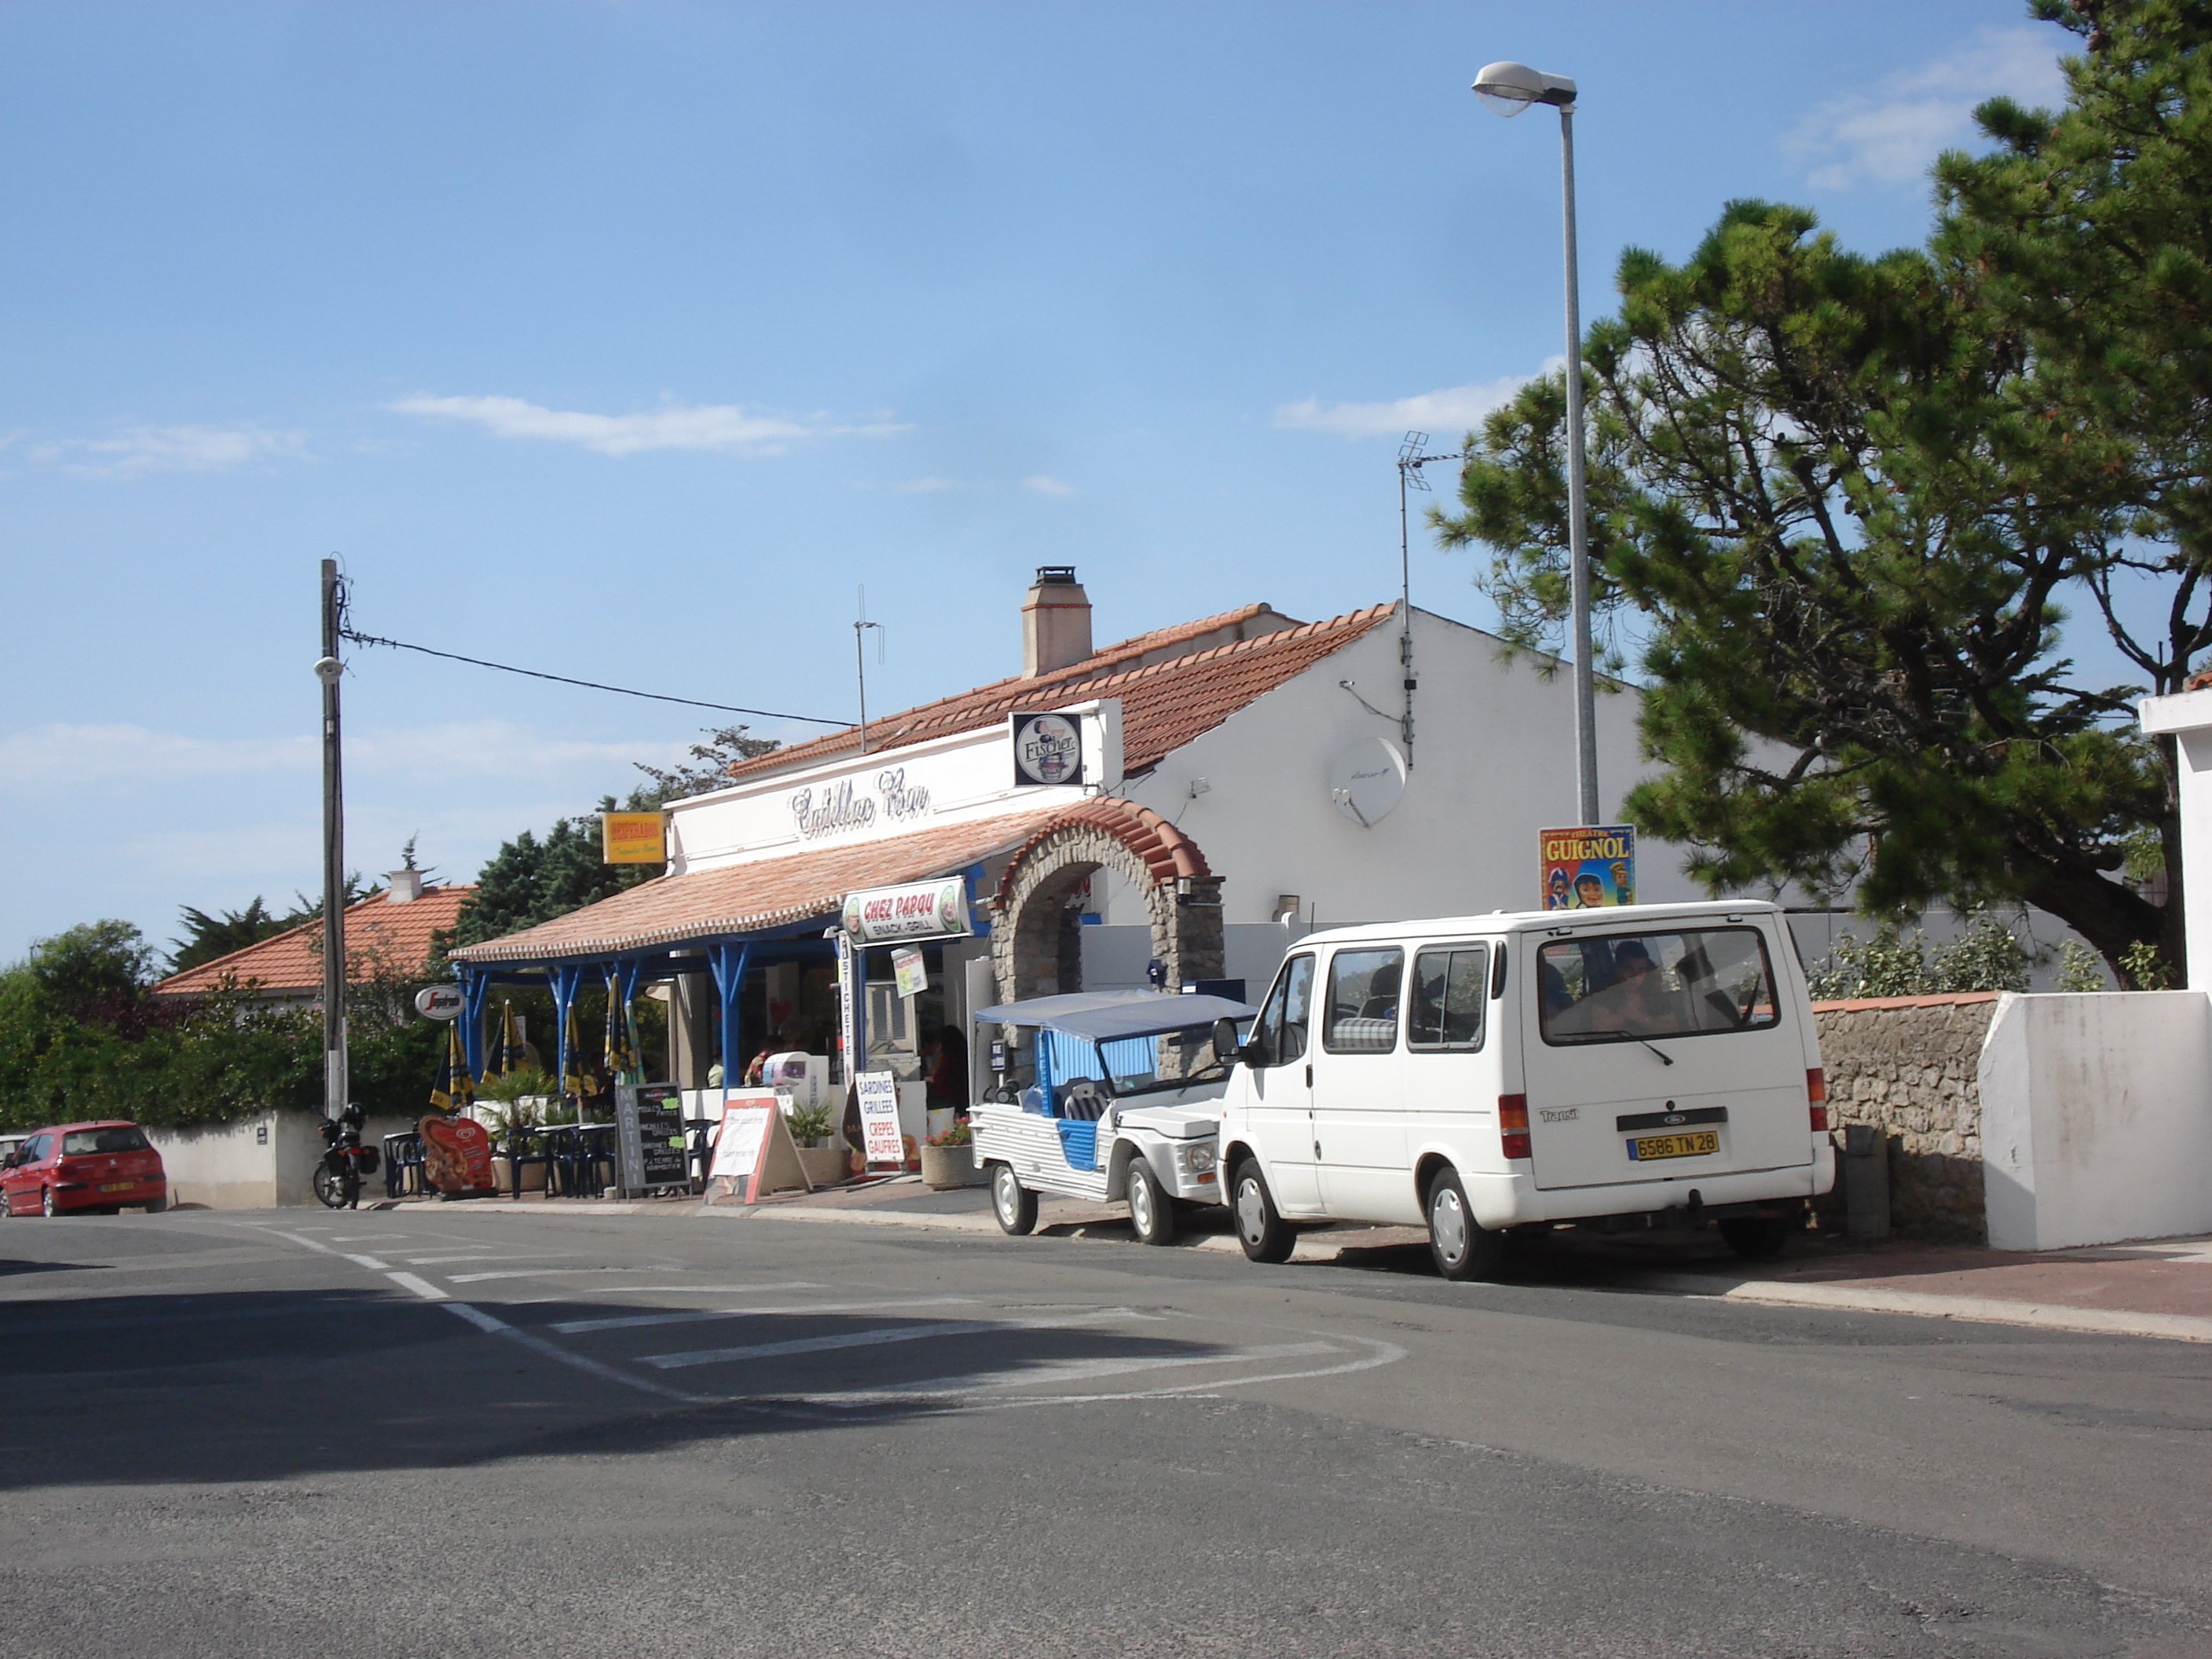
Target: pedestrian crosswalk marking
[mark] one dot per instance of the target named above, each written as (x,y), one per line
(886,1333)
(687,1315)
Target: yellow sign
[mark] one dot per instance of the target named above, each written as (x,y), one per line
(631,838)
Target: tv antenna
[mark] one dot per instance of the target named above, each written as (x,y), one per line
(860,661)
(1411,460)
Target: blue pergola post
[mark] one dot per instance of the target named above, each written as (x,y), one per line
(566,977)
(475,984)
(728,963)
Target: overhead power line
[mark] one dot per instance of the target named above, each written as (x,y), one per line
(589,685)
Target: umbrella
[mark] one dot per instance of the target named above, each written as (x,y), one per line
(575,1080)
(621,1041)
(455,1090)
(508,1056)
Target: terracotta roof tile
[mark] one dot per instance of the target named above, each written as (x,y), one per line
(380,936)
(771,893)
(1164,704)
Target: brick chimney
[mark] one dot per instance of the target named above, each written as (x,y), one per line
(1055,622)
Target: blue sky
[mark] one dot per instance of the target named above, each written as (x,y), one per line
(628,340)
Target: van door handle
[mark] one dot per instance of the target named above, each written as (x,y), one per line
(1309,1077)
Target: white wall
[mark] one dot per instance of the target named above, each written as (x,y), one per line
(2097,1118)
(255,1163)
(1493,763)
(2187,717)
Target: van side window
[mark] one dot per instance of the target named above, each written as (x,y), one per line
(1363,1001)
(1449,1000)
(1281,1032)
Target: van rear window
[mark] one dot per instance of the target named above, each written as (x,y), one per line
(1622,988)
(80,1142)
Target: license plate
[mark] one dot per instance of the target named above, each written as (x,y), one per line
(1643,1148)
(116,1186)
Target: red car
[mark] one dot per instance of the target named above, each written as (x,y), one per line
(100,1167)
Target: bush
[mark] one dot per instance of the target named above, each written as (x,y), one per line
(1987,956)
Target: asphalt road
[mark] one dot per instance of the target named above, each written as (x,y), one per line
(426,1432)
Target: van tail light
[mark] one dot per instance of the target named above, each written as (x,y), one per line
(1513,1124)
(1816,1096)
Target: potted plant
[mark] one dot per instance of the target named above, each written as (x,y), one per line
(819,1155)
(513,1100)
(949,1159)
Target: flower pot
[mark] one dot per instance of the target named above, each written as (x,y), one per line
(825,1166)
(533,1176)
(948,1166)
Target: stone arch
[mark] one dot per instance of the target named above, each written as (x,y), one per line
(1035,950)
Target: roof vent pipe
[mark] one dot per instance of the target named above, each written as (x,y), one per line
(1055,622)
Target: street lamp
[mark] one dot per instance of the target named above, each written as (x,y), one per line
(1508,89)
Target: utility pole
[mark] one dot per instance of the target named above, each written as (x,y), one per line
(328,669)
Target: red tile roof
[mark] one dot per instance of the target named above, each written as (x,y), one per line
(380,937)
(1166,701)
(748,897)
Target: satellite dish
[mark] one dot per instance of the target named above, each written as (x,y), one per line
(1366,780)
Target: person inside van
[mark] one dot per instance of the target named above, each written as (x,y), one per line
(1644,1004)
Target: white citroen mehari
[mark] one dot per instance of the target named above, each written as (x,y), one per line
(1649,1065)
(1122,1100)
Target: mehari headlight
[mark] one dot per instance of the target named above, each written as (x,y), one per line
(1196,1158)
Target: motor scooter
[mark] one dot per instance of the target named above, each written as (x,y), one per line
(345,1163)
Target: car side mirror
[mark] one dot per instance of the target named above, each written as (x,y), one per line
(1226,1045)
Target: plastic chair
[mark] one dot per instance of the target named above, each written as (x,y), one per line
(527,1146)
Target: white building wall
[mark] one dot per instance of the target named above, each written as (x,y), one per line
(2097,1118)
(256,1162)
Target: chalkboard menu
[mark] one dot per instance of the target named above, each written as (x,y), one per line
(649,1136)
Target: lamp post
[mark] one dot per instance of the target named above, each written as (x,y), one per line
(1508,89)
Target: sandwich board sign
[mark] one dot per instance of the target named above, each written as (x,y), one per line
(880,1119)
(650,1149)
(754,1152)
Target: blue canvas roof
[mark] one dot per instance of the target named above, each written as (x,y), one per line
(1105,1015)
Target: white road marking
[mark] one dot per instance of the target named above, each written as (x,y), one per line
(876,1338)
(1070,1370)
(655,1268)
(687,1316)
(496,1327)
(491,1255)
(487,1322)
(367,1262)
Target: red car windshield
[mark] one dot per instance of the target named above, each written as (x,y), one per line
(126,1138)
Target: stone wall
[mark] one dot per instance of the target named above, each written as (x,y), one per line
(1908,1066)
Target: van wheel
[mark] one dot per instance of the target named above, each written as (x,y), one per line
(1014,1204)
(1755,1237)
(1264,1234)
(1462,1247)
(1151,1211)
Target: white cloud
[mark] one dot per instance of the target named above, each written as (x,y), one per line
(141,449)
(927,486)
(1893,133)
(1447,414)
(1046,484)
(730,429)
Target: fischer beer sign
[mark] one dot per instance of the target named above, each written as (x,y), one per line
(930,909)
(1048,749)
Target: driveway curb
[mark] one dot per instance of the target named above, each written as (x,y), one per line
(1975,1309)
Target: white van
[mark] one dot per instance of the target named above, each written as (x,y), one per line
(1478,1073)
